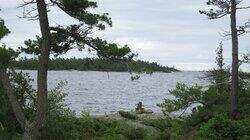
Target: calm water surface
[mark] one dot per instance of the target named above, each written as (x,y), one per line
(101,92)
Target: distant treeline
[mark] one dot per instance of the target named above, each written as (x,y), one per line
(94,64)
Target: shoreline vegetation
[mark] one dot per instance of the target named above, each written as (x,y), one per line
(95,64)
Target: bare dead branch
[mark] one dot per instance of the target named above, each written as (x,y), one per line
(247,7)
(25,3)
(30,9)
(246,58)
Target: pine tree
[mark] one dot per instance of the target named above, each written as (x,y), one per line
(224,8)
(58,40)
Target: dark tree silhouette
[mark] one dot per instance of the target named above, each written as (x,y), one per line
(94,64)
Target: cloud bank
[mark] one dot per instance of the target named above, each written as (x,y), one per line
(171,33)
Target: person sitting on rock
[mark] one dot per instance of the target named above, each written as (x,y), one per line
(139,108)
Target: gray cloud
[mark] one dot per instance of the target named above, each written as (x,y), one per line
(169,32)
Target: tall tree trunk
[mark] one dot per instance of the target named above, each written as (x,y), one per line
(235,61)
(32,131)
(29,133)
(42,92)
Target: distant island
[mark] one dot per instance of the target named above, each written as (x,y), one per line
(94,64)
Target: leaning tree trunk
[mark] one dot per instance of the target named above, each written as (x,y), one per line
(235,61)
(29,133)
(16,107)
(42,92)
(32,131)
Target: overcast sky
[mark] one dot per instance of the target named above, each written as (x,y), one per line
(170,32)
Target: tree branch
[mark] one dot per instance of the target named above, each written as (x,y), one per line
(247,7)
(30,13)
(25,3)
(87,41)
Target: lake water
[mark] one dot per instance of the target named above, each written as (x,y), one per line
(101,92)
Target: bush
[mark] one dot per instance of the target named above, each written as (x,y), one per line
(62,124)
(135,134)
(86,127)
(220,127)
(205,118)
(9,126)
(163,127)
(7,56)
(160,124)
(128,115)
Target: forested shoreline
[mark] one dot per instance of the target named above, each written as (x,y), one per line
(94,64)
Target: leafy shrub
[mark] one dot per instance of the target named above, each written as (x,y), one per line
(184,97)
(62,124)
(135,134)
(244,75)
(163,127)
(7,56)
(128,115)
(10,126)
(220,127)
(214,100)
(245,124)
(86,127)
(160,124)
(168,128)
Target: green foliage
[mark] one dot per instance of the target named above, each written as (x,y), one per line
(221,127)
(160,124)
(25,94)
(244,75)
(214,100)
(33,46)
(7,56)
(168,128)
(8,123)
(184,97)
(79,35)
(70,127)
(219,9)
(135,134)
(244,101)
(219,58)
(111,50)
(205,117)
(94,64)
(56,102)
(245,127)
(78,9)
(128,115)
(3,29)
(219,76)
